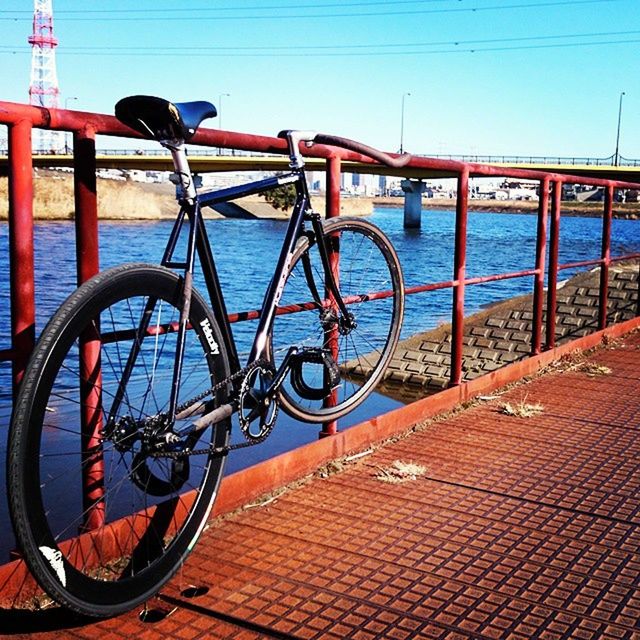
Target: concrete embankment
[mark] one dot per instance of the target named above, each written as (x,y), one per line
(502,333)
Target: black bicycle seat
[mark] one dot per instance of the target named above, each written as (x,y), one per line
(163,120)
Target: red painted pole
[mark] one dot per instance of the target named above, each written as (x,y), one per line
(332,211)
(538,285)
(459,270)
(87,257)
(21,261)
(86,204)
(606,258)
(552,283)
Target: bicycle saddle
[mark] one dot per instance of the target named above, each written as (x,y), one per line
(163,120)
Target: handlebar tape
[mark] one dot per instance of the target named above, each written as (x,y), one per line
(352,145)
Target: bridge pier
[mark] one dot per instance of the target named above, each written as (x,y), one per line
(413,190)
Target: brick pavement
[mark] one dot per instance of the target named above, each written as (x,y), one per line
(519,528)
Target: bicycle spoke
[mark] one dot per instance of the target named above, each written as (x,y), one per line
(103,501)
(366,265)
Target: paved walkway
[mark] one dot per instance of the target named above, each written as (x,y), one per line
(516,528)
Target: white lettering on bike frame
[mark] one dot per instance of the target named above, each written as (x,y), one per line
(287,179)
(283,279)
(208,336)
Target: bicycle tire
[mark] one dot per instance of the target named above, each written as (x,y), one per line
(368,264)
(103,554)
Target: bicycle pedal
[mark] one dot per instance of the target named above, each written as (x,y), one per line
(317,356)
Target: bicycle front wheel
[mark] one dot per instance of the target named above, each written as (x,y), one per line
(102,522)
(368,274)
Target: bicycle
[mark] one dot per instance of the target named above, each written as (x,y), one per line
(122,422)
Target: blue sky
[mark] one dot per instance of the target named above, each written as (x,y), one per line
(534,77)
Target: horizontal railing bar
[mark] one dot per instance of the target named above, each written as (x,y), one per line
(65,120)
(581,263)
(423,288)
(254,314)
(501,276)
(629,256)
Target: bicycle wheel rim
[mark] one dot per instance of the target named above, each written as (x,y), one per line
(105,567)
(370,282)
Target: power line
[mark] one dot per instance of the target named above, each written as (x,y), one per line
(148,16)
(346,49)
(260,7)
(202,54)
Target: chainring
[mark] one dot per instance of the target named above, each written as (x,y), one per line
(253,403)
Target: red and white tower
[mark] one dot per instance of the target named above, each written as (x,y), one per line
(43,89)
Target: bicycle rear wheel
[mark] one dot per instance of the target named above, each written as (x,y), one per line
(369,277)
(101,523)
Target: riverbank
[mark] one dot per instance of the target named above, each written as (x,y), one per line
(622,210)
(502,333)
(126,200)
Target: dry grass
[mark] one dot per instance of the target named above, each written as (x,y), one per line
(400,471)
(521,409)
(53,199)
(594,369)
(577,361)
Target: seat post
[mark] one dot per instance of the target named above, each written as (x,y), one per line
(181,166)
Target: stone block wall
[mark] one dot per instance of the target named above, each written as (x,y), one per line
(502,334)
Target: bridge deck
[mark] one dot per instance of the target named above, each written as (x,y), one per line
(154,161)
(518,528)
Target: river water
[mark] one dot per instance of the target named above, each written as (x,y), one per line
(246,251)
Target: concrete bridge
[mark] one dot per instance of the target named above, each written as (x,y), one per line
(203,161)
(413,184)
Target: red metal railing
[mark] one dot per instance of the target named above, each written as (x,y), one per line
(20,120)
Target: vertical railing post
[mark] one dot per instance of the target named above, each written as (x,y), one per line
(21,261)
(87,258)
(86,204)
(552,283)
(459,271)
(332,211)
(603,299)
(538,285)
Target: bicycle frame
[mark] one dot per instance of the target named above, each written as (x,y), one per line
(199,241)
(198,244)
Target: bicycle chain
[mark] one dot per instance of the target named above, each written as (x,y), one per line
(175,455)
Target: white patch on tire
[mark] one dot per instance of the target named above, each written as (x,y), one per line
(54,557)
